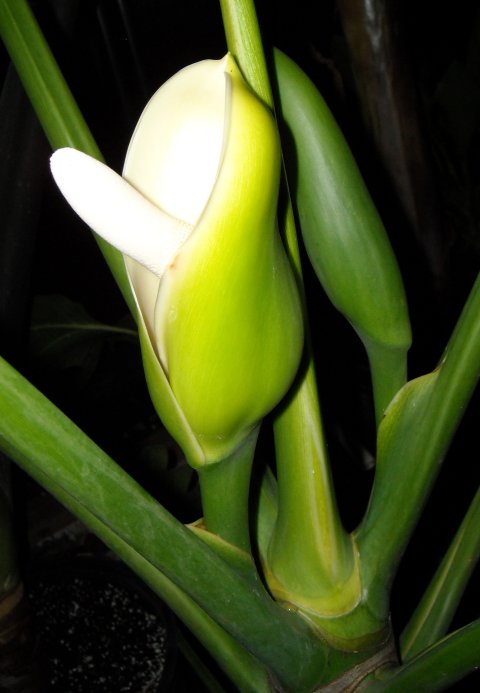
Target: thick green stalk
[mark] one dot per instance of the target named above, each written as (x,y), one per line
(413,439)
(244,41)
(309,543)
(388,371)
(310,553)
(225,488)
(437,607)
(435,669)
(53,102)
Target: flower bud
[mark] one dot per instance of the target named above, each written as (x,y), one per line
(195,217)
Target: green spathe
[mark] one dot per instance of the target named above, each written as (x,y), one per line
(219,312)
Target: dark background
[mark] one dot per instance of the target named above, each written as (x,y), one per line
(115,54)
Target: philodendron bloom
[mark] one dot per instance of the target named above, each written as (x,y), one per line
(195,218)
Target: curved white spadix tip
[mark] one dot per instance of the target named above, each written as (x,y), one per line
(117,211)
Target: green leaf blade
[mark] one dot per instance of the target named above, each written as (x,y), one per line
(413,439)
(437,668)
(437,607)
(49,447)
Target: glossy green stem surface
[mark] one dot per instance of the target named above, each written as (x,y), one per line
(244,41)
(310,552)
(225,488)
(413,439)
(309,543)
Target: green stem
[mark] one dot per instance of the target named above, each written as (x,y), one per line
(54,104)
(437,668)
(225,488)
(265,512)
(459,367)
(310,552)
(244,41)
(388,368)
(413,440)
(437,607)
(309,542)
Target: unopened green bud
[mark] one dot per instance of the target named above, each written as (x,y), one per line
(195,217)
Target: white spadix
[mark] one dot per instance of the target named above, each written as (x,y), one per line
(117,211)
